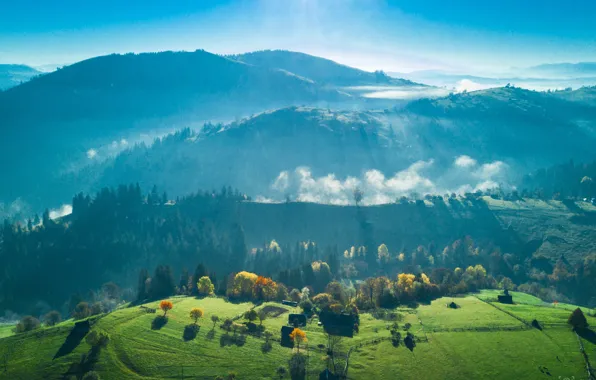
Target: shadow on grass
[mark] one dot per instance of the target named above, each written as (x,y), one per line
(86,364)
(74,338)
(587,334)
(230,340)
(159,322)
(211,334)
(190,332)
(266,347)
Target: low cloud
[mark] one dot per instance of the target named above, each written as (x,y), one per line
(61,211)
(465,174)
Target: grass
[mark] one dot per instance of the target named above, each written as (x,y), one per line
(6,330)
(473,341)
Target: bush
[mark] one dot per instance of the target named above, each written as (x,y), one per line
(96,308)
(52,318)
(97,338)
(27,323)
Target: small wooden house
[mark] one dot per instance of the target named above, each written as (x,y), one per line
(297,320)
(289,303)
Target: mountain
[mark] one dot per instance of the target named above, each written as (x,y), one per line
(13,75)
(563,70)
(119,97)
(505,133)
(320,70)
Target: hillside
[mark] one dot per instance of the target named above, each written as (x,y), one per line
(480,339)
(320,70)
(104,100)
(13,75)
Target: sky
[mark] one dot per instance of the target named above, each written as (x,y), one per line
(392,35)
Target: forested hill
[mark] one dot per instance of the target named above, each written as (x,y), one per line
(105,99)
(512,122)
(119,232)
(319,69)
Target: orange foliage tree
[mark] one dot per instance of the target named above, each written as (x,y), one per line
(264,289)
(166,306)
(298,336)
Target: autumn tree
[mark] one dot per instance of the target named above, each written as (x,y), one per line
(205,286)
(264,289)
(298,336)
(242,285)
(196,313)
(166,306)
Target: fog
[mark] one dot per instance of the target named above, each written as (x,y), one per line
(464,174)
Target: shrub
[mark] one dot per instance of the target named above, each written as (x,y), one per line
(27,323)
(251,315)
(97,338)
(281,371)
(52,318)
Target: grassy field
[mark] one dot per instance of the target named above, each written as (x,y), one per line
(480,339)
(6,330)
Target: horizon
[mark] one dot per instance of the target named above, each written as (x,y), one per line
(460,38)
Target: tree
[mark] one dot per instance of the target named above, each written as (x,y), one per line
(111,290)
(358,195)
(166,306)
(52,318)
(577,319)
(162,283)
(196,313)
(205,286)
(298,336)
(81,311)
(383,253)
(27,323)
(251,315)
(142,288)
(214,319)
(262,315)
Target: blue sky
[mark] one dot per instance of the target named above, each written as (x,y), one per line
(394,35)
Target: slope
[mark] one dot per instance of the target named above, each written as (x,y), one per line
(109,98)
(319,69)
(478,340)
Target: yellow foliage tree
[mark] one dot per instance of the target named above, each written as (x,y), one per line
(196,313)
(298,336)
(205,286)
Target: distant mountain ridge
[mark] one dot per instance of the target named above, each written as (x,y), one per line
(320,70)
(12,75)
